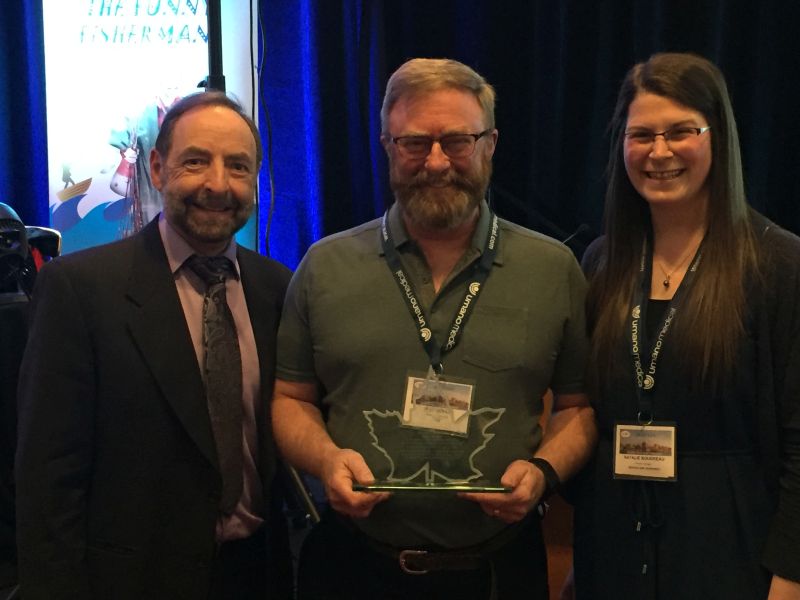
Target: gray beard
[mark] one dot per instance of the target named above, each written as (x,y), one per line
(437,208)
(441,208)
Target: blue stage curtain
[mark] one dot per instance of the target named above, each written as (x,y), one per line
(23,136)
(323,79)
(556,67)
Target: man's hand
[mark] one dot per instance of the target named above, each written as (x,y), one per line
(528,485)
(341,469)
(303,438)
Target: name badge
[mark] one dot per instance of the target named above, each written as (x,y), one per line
(645,451)
(438,403)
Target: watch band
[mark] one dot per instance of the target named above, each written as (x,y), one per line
(551,479)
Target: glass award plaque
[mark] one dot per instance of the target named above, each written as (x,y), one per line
(433,443)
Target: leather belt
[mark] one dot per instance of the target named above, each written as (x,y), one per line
(420,562)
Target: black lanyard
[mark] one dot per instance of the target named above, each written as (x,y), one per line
(646,379)
(429,342)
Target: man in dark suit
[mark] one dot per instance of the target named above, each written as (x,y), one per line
(119,487)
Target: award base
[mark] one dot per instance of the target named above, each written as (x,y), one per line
(410,486)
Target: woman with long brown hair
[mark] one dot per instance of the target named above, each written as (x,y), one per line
(694,313)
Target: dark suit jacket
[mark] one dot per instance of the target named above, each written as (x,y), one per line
(13,333)
(117,477)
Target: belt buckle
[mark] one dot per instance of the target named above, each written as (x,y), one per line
(405,554)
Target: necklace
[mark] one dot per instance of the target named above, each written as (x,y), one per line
(668,276)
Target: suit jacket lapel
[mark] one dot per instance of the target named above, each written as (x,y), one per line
(158,327)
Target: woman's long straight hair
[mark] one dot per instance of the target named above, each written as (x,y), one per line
(710,324)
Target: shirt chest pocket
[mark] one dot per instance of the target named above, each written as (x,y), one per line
(496,337)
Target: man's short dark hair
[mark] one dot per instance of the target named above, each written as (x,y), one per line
(202,100)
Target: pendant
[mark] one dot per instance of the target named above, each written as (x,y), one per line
(666,282)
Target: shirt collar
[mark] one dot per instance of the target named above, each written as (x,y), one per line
(178,249)
(396,226)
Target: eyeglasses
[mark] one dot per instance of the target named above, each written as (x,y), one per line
(645,137)
(455,145)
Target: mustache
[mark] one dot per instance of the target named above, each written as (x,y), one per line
(203,199)
(424,179)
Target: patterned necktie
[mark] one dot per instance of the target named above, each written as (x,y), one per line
(222,371)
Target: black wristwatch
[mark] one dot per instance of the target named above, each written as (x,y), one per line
(551,479)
